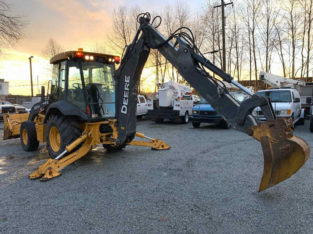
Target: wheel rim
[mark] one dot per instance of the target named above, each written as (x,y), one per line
(25,136)
(54,139)
(186,118)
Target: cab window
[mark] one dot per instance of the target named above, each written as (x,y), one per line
(100,86)
(75,93)
(61,81)
(142,100)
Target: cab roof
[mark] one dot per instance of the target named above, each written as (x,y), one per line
(80,54)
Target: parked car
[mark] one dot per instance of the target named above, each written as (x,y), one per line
(142,106)
(285,103)
(205,113)
(6,107)
(20,109)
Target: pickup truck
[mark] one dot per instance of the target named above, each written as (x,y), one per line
(285,102)
(203,112)
(142,106)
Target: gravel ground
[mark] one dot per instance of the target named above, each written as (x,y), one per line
(206,183)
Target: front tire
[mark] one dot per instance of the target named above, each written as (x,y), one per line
(224,124)
(28,136)
(196,124)
(61,132)
(114,148)
(311,124)
(301,121)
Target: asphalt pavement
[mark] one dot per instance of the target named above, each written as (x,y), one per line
(206,183)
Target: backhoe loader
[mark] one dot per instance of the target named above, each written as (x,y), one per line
(89,106)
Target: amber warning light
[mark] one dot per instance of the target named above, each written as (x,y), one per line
(79,53)
(117,59)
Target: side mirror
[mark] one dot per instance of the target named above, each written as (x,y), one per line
(297,99)
(43,94)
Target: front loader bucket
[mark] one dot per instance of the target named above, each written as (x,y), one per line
(12,125)
(284,154)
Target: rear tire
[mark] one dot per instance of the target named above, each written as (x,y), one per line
(61,131)
(185,118)
(114,148)
(28,136)
(196,124)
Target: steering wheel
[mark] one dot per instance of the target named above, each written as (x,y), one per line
(76,85)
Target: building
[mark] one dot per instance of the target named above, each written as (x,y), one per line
(4,87)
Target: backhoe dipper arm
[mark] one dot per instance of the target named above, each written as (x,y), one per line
(283,153)
(187,62)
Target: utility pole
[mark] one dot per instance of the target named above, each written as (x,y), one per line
(31,75)
(223,5)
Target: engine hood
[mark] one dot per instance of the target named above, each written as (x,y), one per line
(277,106)
(203,107)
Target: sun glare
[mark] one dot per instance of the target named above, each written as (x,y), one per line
(15,68)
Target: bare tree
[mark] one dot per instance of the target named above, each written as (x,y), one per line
(253,9)
(181,15)
(124,27)
(52,48)
(293,24)
(309,14)
(247,15)
(237,38)
(279,47)
(304,5)
(268,33)
(10,26)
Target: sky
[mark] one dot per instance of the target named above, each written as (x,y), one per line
(72,23)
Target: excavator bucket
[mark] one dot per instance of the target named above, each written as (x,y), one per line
(284,153)
(12,125)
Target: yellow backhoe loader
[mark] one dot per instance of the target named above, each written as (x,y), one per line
(90,103)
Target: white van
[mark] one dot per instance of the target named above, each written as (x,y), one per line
(285,102)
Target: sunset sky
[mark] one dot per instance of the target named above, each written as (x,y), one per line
(72,23)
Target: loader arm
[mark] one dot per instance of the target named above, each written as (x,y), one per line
(284,153)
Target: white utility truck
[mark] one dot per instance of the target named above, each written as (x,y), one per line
(173,101)
(305,90)
(306,94)
(284,96)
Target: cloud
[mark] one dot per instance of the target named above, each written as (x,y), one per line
(77,11)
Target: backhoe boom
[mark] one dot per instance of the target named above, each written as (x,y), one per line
(284,153)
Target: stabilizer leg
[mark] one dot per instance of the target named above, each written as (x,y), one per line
(52,168)
(154,143)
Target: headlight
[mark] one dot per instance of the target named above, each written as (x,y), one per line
(195,112)
(285,112)
(254,113)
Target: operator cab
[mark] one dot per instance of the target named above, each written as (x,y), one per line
(85,80)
